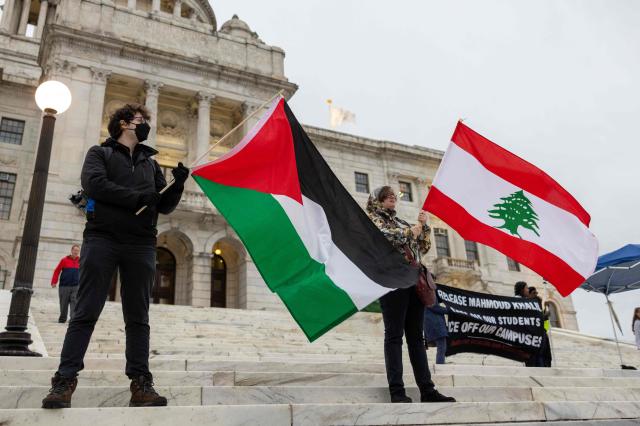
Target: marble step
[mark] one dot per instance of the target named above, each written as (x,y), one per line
(118,378)
(222,415)
(287,365)
(95,396)
(243,378)
(118,396)
(249,378)
(50,364)
(328,414)
(461,369)
(360,394)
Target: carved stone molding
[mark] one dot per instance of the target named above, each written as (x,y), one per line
(100,75)
(152,88)
(8,161)
(393,176)
(170,124)
(205,98)
(60,67)
(248,108)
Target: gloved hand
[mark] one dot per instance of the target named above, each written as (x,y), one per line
(180,174)
(148,199)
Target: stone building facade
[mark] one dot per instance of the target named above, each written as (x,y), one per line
(199,80)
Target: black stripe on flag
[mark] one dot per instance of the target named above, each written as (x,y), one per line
(351,229)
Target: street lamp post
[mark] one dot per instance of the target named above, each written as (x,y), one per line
(52,97)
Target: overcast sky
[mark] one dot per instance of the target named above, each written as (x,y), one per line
(553,81)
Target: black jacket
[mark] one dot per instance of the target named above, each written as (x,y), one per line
(116,184)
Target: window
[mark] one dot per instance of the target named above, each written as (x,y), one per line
(3,278)
(513,265)
(7,185)
(554,318)
(442,242)
(362,182)
(471,248)
(405,191)
(11,131)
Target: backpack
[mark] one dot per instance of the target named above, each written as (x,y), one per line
(80,198)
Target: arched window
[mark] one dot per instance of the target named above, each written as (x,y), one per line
(165,286)
(218,282)
(4,274)
(554,317)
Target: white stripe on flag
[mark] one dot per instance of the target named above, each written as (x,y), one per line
(466,181)
(312,225)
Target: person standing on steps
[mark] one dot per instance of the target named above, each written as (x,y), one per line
(435,329)
(119,177)
(67,273)
(402,310)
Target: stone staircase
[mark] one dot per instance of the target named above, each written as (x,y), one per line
(235,367)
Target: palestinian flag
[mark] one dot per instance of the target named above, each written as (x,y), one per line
(489,195)
(312,243)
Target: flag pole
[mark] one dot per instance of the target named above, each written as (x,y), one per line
(203,156)
(613,327)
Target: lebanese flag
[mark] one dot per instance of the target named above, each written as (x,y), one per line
(494,197)
(311,242)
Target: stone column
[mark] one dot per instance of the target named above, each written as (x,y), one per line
(155,6)
(62,70)
(24,17)
(204,124)
(177,9)
(99,79)
(7,12)
(422,190)
(152,89)
(247,110)
(131,4)
(42,17)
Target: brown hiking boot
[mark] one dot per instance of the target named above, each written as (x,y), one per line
(143,394)
(60,393)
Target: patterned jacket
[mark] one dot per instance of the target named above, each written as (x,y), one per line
(397,231)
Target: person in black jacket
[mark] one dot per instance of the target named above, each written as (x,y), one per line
(120,177)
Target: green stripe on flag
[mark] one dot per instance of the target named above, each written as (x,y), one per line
(314,301)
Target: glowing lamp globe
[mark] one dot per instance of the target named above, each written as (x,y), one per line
(53,96)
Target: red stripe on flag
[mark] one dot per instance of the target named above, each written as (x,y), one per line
(543,262)
(267,163)
(517,171)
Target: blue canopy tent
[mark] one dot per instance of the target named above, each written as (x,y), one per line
(616,272)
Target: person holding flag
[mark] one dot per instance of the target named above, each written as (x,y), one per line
(121,177)
(402,310)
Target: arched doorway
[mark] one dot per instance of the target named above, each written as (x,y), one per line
(164,289)
(218,281)
(179,245)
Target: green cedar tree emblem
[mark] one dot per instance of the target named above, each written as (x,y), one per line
(516,211)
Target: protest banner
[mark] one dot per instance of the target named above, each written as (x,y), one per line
(510,327)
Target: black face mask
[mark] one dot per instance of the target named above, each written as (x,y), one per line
(142,131)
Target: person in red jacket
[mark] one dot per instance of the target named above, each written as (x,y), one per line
(67,273)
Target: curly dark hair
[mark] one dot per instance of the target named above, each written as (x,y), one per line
(126,114)
(519,288)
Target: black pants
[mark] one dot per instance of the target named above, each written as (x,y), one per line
(98,262)
(403,314)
